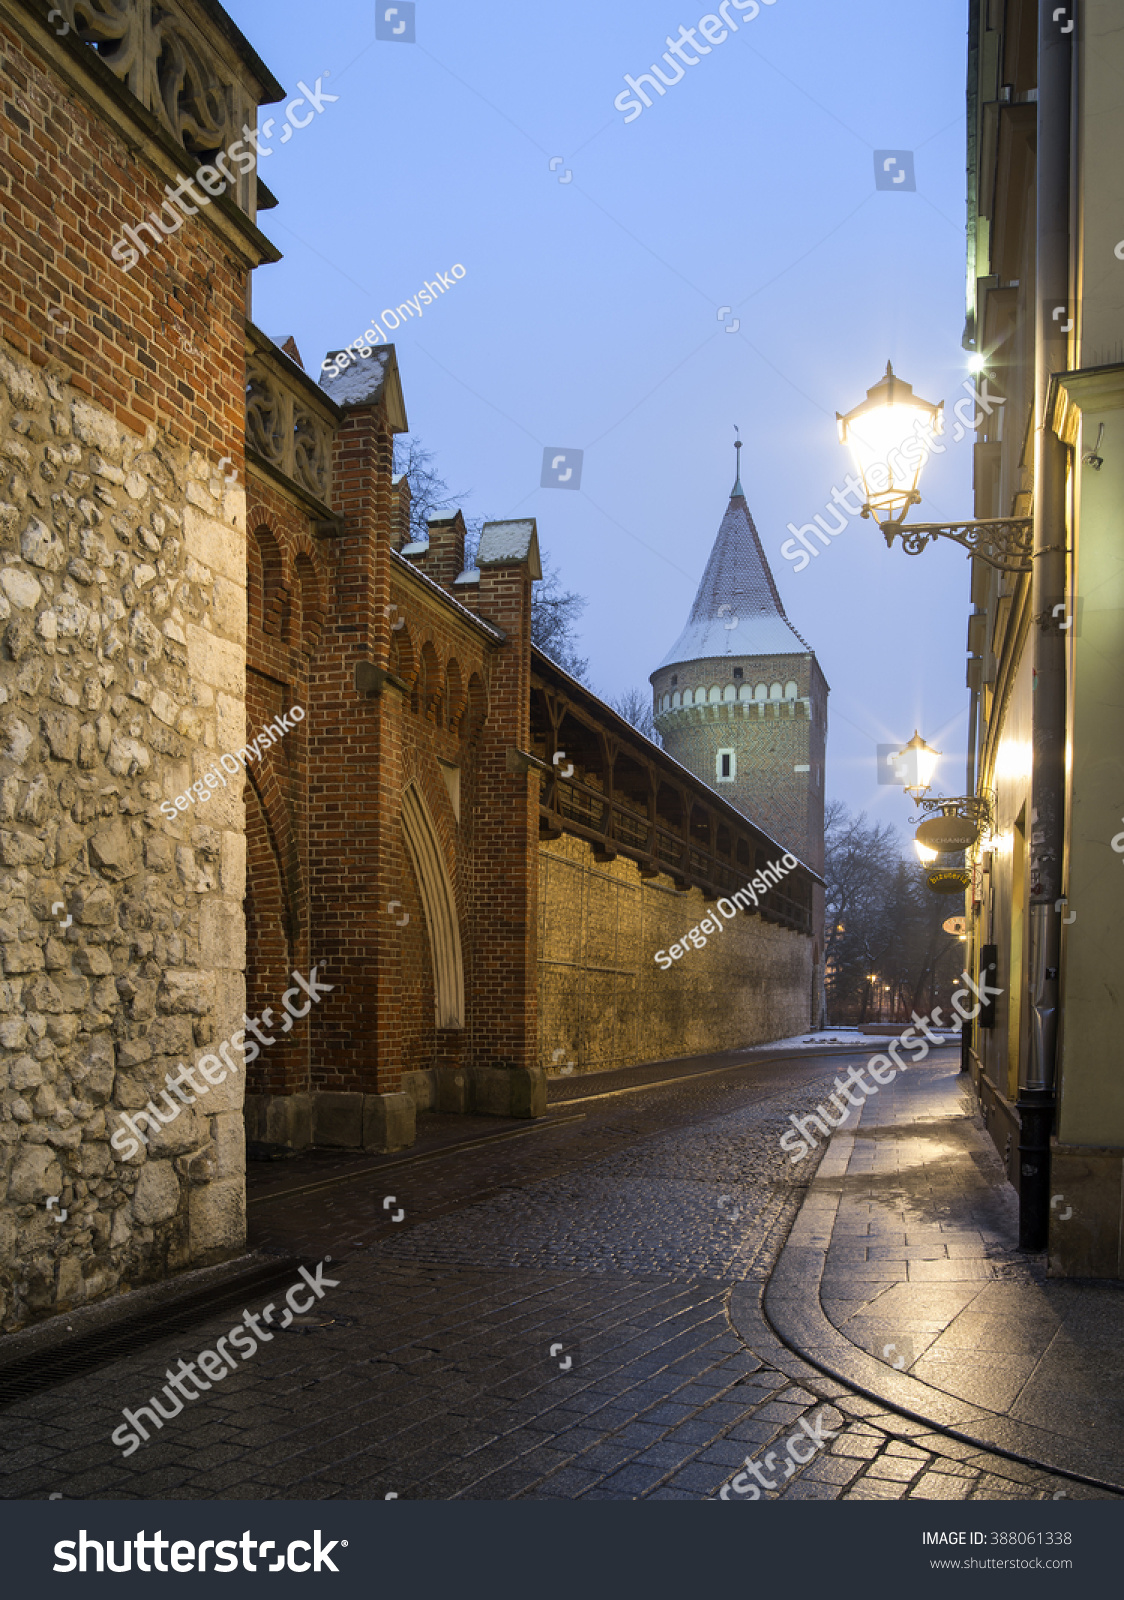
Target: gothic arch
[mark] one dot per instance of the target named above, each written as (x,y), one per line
(477,708)
(272,923)
(311,603)
(403,656)
(433,684)
(456,696)
(439,905)
(267,584)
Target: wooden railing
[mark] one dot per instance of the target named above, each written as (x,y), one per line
(617,826)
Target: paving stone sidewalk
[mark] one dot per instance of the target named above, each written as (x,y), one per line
(903,1278)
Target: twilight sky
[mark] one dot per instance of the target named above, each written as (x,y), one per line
(593,314)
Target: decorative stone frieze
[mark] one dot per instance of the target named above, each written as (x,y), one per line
(290,424)
(176,69)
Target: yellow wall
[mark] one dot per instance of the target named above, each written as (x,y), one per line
(604,1001)
(1092,1056)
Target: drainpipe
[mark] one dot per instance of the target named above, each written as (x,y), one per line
(970,342)
(1037,1090)
(966,1034)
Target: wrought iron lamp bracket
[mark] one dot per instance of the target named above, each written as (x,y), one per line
(1003,542)
(978,808)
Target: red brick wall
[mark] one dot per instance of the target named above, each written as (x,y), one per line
(504,890)
(289,579)
(330,877)
(161,344)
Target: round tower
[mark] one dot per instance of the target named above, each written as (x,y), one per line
(740,700)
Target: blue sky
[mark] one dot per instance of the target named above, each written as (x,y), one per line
(588,316)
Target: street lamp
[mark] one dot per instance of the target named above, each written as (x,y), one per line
(960,819)
(918,764)
(890,435)
(886,434)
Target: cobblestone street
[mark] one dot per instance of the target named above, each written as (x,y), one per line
(550,1318)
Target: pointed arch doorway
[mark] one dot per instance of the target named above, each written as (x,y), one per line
(438,899)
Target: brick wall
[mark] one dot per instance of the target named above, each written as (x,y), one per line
(334,880)
(288,579)
(506,830)
(771,737)
(603,999)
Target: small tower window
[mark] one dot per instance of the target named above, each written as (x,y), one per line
(674,679)
(737,672)
(726,766)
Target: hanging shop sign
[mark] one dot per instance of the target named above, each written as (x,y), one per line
(947,833)
(952,880)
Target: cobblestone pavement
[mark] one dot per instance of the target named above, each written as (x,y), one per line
(550,1318)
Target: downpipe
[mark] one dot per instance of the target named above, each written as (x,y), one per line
(1036,1100)
(1055,318)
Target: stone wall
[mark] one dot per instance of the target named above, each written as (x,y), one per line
(122,618)
(604,1001)
(774,717)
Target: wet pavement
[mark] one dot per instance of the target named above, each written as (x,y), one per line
(903,1277)
(565,1309)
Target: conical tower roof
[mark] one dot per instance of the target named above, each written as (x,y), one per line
(737,584)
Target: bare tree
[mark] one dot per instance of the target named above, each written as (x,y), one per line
(885,940)
(554,617)
(554,610)
(635,706)
(430,495)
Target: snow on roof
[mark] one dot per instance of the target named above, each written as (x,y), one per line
(358,383)
(737,610)
(502,543)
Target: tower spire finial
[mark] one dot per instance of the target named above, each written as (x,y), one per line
(737,489)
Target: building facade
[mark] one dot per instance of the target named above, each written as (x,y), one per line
(1046,643)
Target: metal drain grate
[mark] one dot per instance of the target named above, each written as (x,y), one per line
(47,1368)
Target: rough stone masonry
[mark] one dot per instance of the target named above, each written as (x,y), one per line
(122,620)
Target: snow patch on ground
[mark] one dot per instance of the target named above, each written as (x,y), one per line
(853,1036)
